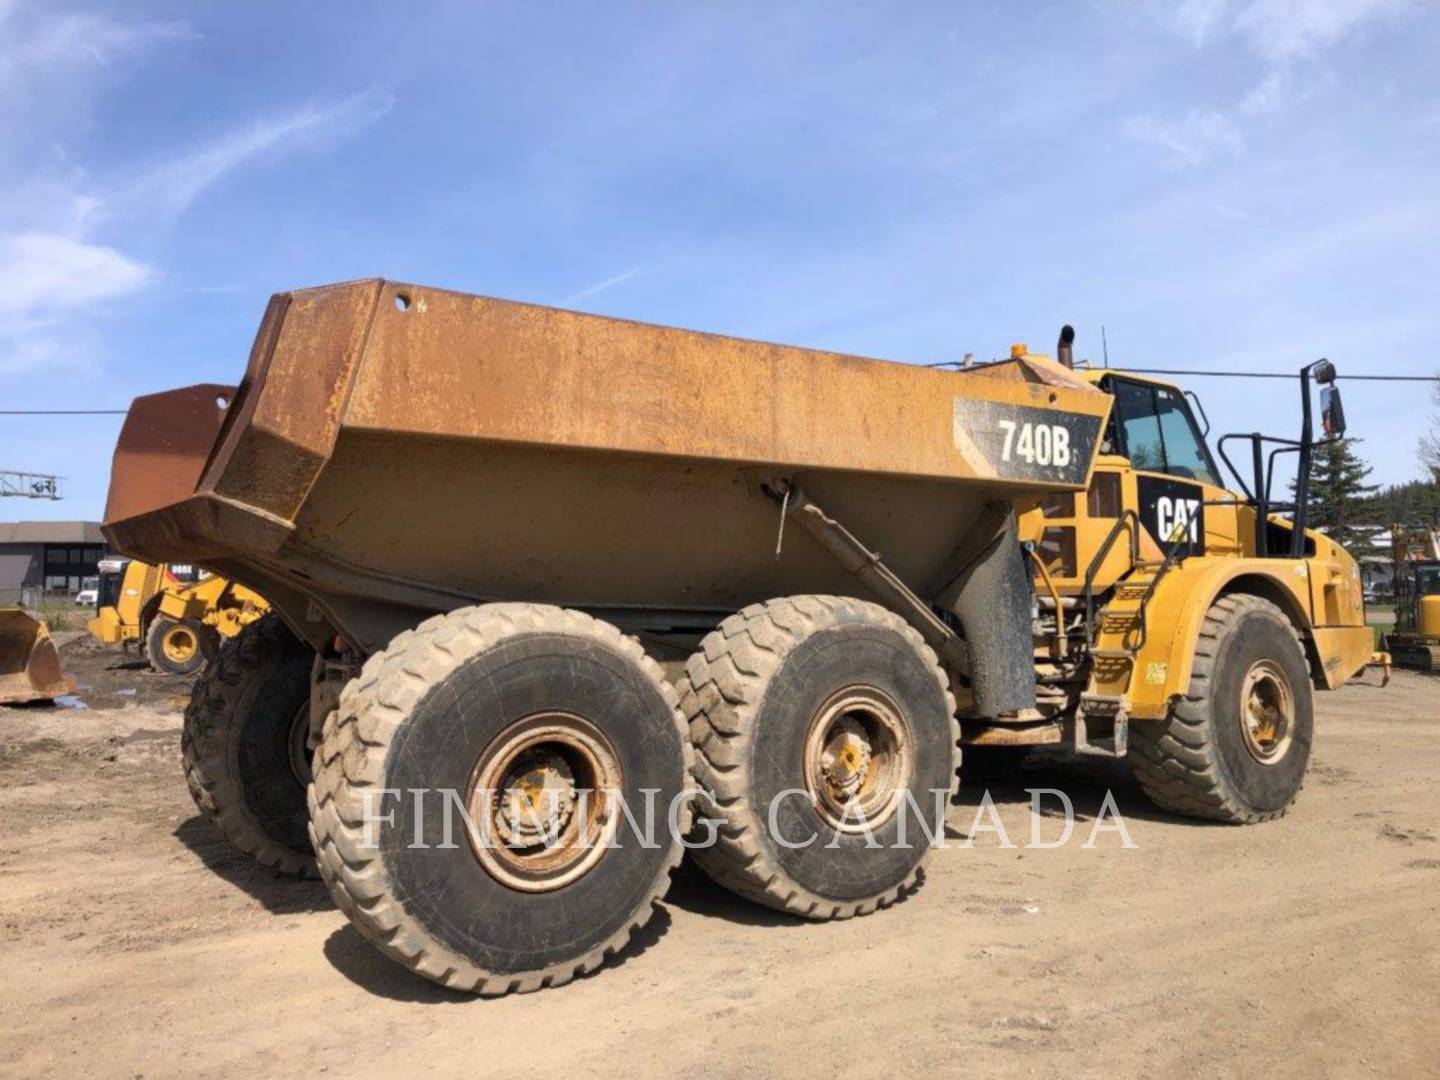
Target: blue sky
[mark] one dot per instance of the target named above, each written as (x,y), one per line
(1251,184)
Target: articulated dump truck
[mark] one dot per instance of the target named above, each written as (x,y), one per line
(556,597)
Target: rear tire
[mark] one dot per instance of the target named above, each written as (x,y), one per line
(453,702)
(759,696)
(243,747)
(174,647)
(1236,748)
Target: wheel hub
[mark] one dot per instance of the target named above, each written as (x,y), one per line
(858,759)
(543,803)
(845,758)
(179,644)
(298,744)
(536,799)
(1267,712)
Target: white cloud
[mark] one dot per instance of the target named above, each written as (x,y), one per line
(1291,37)
(1197,19)
(1283,31)
(43,272)
(67,236)
(48,280)
(169,189)
(608,283)
(1279,90)
(1193,139)
(34,41)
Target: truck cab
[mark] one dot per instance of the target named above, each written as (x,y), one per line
(1133,564)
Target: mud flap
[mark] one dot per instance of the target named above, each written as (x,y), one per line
(991,597)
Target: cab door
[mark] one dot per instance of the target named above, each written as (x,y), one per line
(1175,477)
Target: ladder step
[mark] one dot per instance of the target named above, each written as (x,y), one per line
(1134,585)
(1108,612)
(1112,654)
(1098,706)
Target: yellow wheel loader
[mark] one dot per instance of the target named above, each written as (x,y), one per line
(174,613)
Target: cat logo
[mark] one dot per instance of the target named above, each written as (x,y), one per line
(1173,512)
(1178,519)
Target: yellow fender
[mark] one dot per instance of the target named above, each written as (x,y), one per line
(1174,615)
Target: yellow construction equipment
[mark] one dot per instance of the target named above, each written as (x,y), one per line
(29,661)
(1415,640)
(1167,601)
(509,516)
(180,614)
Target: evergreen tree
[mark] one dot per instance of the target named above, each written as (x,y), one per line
(1416,503)
(1341,502)
(1430,444)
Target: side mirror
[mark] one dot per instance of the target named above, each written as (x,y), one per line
(1332,412)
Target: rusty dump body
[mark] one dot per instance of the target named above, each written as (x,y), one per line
(395,451)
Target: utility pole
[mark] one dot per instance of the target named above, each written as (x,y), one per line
(28,485)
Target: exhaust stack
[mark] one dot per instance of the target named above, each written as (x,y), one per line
(1063,351)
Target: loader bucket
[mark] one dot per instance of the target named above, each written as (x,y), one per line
(29,661)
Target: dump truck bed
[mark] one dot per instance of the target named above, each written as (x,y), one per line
(395,450)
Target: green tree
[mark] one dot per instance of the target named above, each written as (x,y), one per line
(1430,444)
(1342,502)
(1415,503)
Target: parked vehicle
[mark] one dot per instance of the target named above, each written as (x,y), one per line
(484,526)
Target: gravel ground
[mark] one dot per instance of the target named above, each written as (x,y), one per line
(134,941)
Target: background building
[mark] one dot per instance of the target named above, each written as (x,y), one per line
(47,557)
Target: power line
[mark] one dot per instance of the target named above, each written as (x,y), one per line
(943,363)
(1282,375)
(1240,374)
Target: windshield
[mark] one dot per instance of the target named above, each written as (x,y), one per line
(109,590)
(1427,580)
(1158,434)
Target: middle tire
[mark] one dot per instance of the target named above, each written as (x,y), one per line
(808,713)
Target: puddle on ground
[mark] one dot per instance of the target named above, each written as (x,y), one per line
(70,701)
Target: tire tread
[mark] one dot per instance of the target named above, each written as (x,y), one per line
(1175,760)
(351,758)
(721,693)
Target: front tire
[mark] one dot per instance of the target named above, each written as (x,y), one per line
(514,712)
(1236,748)
(806,713)
(174,647)
(243,745)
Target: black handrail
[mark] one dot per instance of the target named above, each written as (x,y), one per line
(1263,471)
(1127,515)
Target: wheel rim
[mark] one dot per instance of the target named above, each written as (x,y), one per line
(1267,712)
(179,644)
(858,759)
(543,802)
(298,744)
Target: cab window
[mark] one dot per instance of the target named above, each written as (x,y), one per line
(1157,433)
(1428,580)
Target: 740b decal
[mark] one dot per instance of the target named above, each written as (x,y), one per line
(1017,442)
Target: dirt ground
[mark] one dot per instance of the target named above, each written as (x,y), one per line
(135,942)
